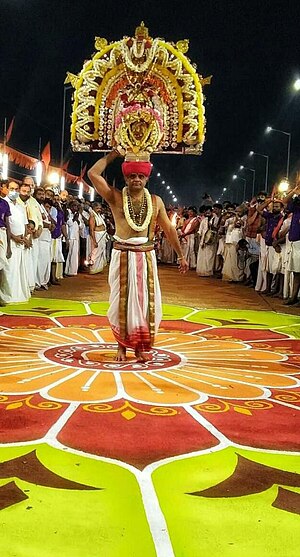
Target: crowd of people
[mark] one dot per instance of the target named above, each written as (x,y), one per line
(256,243)
(46,236)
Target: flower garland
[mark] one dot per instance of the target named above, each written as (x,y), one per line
(129,220)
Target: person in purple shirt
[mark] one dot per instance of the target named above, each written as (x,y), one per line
(5,251)
(292,200)
(273,215)
(57,234)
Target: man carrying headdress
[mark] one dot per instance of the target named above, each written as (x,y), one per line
(135,299)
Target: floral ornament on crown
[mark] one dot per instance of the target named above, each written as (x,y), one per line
(138,95)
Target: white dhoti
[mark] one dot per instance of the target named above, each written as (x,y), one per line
(44,258)
(97,256)
(273,260)
(188,250)
(57,256)
(3,248)
(261,282)
(135,299)
(34,254)
(72,262)
(206,260)
(293,257)
(231,270)
(167,252)
(14,287)
(28,254)
(56,251)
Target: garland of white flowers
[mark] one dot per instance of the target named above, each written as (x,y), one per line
(129,220)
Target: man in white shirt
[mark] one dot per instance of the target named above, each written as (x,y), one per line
(15,286)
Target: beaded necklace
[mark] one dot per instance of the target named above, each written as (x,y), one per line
(137,220)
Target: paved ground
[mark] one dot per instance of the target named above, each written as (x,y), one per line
(188,290)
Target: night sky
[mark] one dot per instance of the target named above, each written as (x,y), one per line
(250,47)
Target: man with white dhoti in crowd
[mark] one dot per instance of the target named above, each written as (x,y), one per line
(208,242)
(45,241)
(57,234)
(85,238)
(254,223)
(281,246)
(29,254)
(292,200)
(5,251)
(167,254)
(74,224)
(135,300)
(187,237)
(98,239)
(34,214)
(14,287)
(272,211)
(234,227)
(64,202)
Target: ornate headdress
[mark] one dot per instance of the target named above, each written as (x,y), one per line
(139,95)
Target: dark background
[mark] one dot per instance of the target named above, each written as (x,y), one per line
(250,47)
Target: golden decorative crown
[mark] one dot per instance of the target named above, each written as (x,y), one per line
(138,95)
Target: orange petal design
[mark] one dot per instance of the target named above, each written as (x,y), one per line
(215,386)
(160,390)
(102,386)
(187,367)
(35,382)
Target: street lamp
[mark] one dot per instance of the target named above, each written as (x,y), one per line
(270,129)
(253,176)
(297,85)
(236,177)
(251,154)
(283,186)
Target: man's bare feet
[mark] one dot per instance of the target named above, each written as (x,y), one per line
(121,354)
(142,356)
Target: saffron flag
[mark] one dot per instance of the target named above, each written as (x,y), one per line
(46,155)
(83,171)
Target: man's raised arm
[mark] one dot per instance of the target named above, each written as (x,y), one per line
(100,184)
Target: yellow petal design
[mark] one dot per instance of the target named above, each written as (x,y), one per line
(77,364)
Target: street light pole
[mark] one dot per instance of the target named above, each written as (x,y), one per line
(235,177)
(62,137)
(270,129)
(288,157)
(267,166)
(253,177)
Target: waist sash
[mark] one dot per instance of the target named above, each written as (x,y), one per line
(148,246)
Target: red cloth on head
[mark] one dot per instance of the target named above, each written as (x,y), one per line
(137,167)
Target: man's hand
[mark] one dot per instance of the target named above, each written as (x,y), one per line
(18,239)
(183,265)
